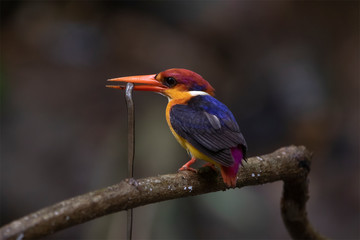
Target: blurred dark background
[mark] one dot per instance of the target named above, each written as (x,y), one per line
(288,70)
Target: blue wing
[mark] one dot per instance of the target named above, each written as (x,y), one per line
(209,126)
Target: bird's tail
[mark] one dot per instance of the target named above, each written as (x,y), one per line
(229,173)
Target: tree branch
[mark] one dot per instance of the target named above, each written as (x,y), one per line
(290,164)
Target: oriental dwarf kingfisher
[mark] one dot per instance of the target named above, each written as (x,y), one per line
(204,126)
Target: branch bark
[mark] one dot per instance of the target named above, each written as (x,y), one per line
(289,164)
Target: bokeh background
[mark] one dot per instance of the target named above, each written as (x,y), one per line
(288,70)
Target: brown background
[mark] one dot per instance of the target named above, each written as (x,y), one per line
(288,70)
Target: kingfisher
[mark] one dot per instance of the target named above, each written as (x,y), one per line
(202,125)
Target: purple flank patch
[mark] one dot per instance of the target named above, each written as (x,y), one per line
(229,173)
(237,155)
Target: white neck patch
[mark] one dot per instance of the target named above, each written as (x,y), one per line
(197,93)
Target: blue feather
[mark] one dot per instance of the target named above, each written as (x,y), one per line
(209,126)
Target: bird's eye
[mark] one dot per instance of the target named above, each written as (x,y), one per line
(170,81)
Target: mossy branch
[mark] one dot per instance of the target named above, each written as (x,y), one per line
(289,164)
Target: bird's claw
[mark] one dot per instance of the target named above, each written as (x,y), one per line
(185,168)
(211,165)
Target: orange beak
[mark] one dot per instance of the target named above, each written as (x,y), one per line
(149,83)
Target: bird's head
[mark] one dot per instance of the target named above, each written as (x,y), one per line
(172,83)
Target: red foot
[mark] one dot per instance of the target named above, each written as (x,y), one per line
(210,165)
(186,166)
